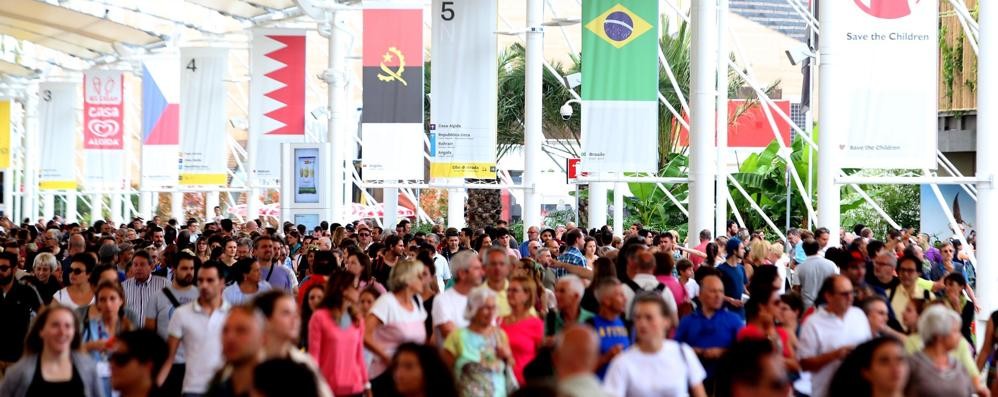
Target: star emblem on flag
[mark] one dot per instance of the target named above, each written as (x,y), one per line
(392,75)
(618,26)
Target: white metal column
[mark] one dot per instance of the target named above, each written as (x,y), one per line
(210,202)
(48,205)
(115,208)
(177,206)
(597,205)
(618,207)
(337,129)
(391,208)
(96,207)
(71,215)
(703,83)
(533,136)
(987,164)
(455,207)
(832,127)
(29,198)
(721,188)
(145,205)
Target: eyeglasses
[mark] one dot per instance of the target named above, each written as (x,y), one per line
(120,358)
(365,234)
(4,268)
(77,271)
(907,270)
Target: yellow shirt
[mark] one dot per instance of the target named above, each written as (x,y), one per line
(501,302)
(901,298)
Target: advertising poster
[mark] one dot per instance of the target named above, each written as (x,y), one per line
(885,69)
(203,147)
(305,173)
(58,135)
(934,221)
(4,134)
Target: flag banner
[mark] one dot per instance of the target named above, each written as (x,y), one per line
(57,123)
(748,126)
(103,129)
(620,86)
(4,134)
(464,89)
(277,98)
(203,147)
(160,121)
(392,129)
(885,70)
(103,110)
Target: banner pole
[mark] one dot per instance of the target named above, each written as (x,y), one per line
(702,120)
(336,83)
(721,188)
(71,215)
(831,125)
(987,165)
(533,106)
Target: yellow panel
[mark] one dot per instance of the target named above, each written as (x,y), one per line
(57,185)
(4,134)
(203,179)
(463,170)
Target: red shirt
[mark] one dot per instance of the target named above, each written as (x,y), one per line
(753,332)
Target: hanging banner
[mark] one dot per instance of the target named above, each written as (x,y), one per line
(933,219)
(160,121)
(203,150)
(620,80)
(464,88)
(277,98)
(57,126)
(103,129)
(886,58)
(393,95)
(4,134)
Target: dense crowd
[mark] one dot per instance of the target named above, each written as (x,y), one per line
(217,308)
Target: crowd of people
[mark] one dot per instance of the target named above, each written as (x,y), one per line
(217,308)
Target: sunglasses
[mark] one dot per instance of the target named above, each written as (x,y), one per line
(365,234)
(77,271)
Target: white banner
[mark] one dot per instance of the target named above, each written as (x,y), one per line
(103,129)
(885,55)
(58,132)
(390,149)
(160,121)
(464,90)
(277,98)
(203,151)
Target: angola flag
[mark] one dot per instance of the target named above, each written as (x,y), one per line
(620,85)
(393,66)
(392,120)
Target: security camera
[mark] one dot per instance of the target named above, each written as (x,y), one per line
(566,111)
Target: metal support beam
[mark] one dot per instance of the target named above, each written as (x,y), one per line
(987,164)
(833,126)
(703,86)
(721,185)
(533,108)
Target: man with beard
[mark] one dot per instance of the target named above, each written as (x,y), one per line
(160,309)
(18,305)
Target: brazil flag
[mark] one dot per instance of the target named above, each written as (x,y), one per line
(620,85)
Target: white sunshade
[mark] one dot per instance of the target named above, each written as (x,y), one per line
(13,69)
(245,9)
(62,29)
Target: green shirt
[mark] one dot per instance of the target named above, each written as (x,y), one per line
(554,323)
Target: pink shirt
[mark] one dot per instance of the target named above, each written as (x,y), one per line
(525,337)
(339,352)
(696,259)
(678,292)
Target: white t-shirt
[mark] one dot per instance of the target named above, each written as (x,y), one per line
(823,332)
(692,288)
(448,307)
(62,296)
(201,337)
(398,326)
(665,373)
(647,282)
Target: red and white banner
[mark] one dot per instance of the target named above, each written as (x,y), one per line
(103,110)
(277,97)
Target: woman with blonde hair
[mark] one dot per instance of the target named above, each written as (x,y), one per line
(524,329)
(396,317)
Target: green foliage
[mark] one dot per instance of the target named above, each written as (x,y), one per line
(559,217)
(901,202)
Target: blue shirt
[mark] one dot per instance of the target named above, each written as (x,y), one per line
(698,331)
(611,333)
(525,249)
(278,277)
(799,255)
(734,279)
(939,270)
(572,256)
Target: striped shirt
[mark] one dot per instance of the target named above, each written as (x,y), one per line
(572,256)
(138,293)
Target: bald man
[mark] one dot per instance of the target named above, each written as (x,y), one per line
(575,358)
